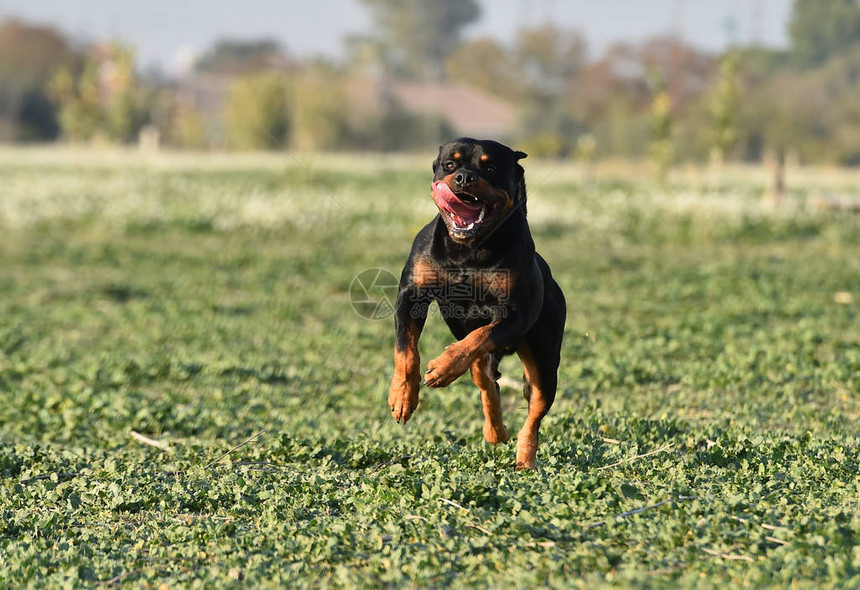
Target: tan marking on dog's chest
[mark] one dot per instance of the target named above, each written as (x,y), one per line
(477,285)
(498,283)
(426,274)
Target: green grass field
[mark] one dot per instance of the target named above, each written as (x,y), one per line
(705,433)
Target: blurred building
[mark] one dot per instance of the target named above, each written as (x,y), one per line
(465,110)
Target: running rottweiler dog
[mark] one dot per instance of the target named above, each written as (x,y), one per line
(477,260)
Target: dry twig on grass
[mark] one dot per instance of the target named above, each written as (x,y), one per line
(642,456)
(643,509)
(120,577)
(544,544)
(48,476)
(768,527)
(239,446)
(151,442)
(730,556)
(453,503)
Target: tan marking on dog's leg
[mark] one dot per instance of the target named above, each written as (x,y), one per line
(483,374)
(458,357)
(527,439)
(403,393)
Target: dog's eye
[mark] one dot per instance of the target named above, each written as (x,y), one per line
(449,165)
(491,169)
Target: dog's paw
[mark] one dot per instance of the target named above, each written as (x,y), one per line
(526,451)
(402,399)
(447,367)
(496,436)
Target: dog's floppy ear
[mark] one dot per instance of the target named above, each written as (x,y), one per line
(520,178)
(521,185)
(436,161)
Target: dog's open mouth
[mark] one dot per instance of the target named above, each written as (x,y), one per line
(465,213)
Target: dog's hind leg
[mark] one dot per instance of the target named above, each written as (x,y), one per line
(540,352)
(485,374)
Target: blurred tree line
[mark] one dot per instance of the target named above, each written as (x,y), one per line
(28,58)
(661,98)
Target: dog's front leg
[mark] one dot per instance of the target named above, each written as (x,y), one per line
(409,317)
(458,357)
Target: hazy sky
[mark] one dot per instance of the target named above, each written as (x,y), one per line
(168,33)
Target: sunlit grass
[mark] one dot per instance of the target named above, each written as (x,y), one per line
(201,298)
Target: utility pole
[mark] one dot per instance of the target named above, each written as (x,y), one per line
(526,11)
(674,77)
(756,23)
(548,11)
(678,19)
(730,26)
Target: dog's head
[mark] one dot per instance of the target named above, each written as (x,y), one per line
(476,183)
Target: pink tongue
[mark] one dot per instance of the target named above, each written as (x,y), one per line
(447,200)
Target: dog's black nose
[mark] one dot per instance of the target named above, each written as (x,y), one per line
(464,178)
